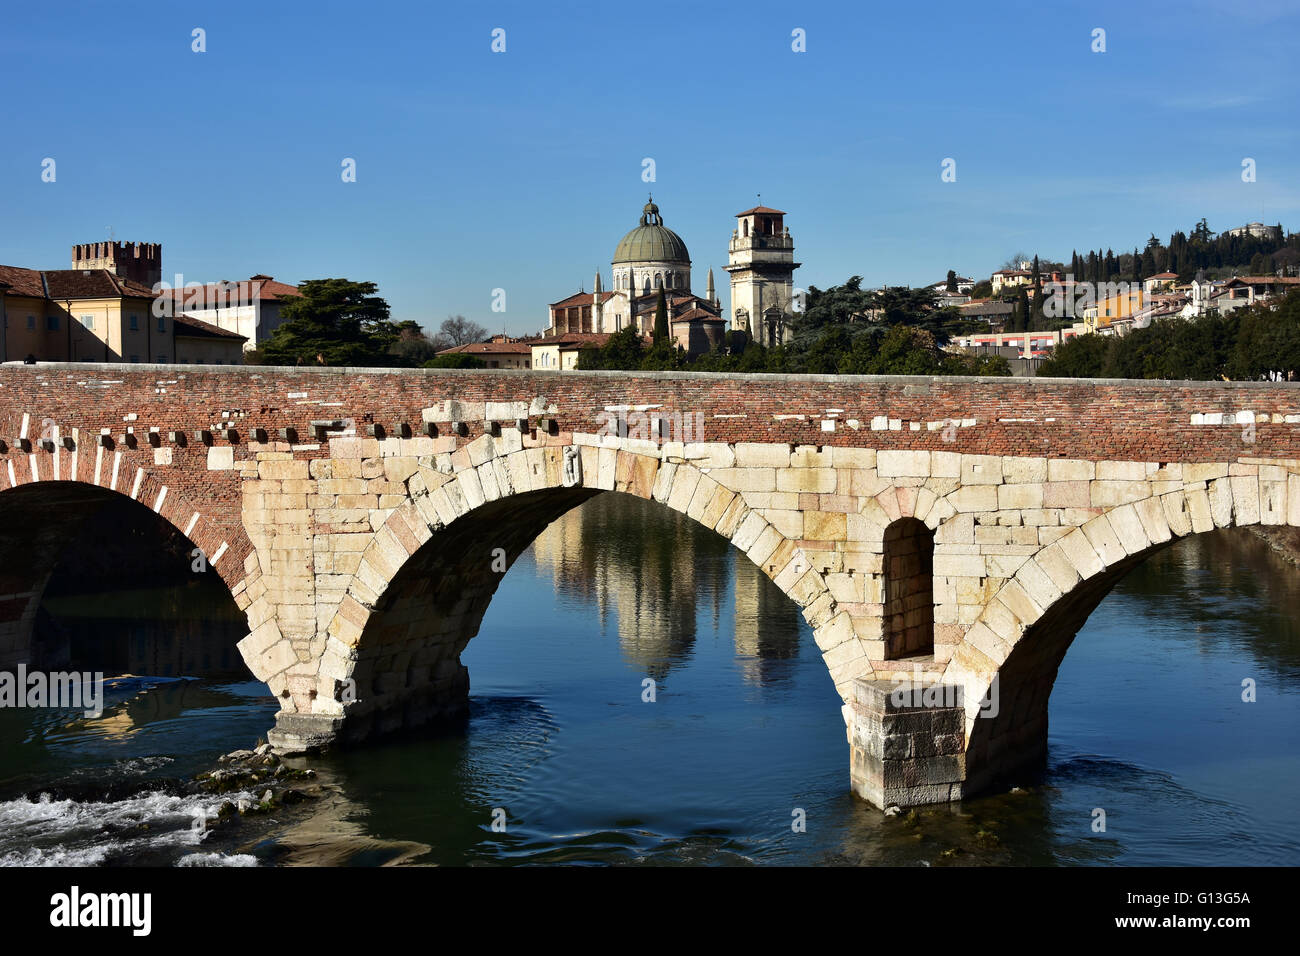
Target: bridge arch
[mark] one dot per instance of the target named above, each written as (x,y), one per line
(41,513)
(441,555)
(1009,658)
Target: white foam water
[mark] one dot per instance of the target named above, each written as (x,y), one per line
(48,832)
(217,859)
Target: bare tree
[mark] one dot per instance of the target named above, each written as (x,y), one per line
(458,330)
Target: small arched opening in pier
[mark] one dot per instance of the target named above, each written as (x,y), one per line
(908,589)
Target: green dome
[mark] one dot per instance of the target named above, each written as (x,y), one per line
(651,241)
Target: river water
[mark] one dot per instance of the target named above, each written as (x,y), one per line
(566,760)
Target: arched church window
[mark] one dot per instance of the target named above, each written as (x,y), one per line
(658,281)
(746,224)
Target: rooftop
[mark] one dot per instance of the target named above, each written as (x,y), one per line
(225,293)
(489,348)
(70,284)
(189,327)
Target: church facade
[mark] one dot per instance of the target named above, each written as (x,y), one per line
(651,258)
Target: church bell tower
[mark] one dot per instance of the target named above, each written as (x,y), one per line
(760,259)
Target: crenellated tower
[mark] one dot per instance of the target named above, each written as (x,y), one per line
(139,261)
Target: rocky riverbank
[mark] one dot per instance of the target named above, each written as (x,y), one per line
(1283,539)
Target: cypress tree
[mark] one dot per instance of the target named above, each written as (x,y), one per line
(661,319)
(1022,311)
(1037,313)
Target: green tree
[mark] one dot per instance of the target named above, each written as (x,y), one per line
(906,351)
(825,355)
(413,348)
(664,356)
(622,350)
(959,364)
(454,360)
(333,322)
(1267,340)
(1021,314)
(1080,357)
(951,285)
(1036,318)
(661,332)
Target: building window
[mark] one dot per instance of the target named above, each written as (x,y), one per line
(162,358)
(135,358)
(135,323)
(51,323)
(88,321)
(31,322)
(162,324)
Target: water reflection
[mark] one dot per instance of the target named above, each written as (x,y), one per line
(125,598)
(661,576)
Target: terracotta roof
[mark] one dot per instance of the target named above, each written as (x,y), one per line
(213,294)
(1013,272)
(1263,280)
(1164,275)
(198,329)
(489,348)
(761,210)
(22,281)
(91,284)
(582,298)
(697,315)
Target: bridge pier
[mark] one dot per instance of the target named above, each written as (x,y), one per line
(907,743)
(442,699)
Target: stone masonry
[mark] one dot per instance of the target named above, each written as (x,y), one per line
(937,533)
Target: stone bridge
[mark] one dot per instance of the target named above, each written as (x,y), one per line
(950,535)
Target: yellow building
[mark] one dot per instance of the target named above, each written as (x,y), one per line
(1011,278)
(1123,305)
(94,315)
(559,353)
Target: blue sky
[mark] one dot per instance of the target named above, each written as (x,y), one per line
(521,170)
